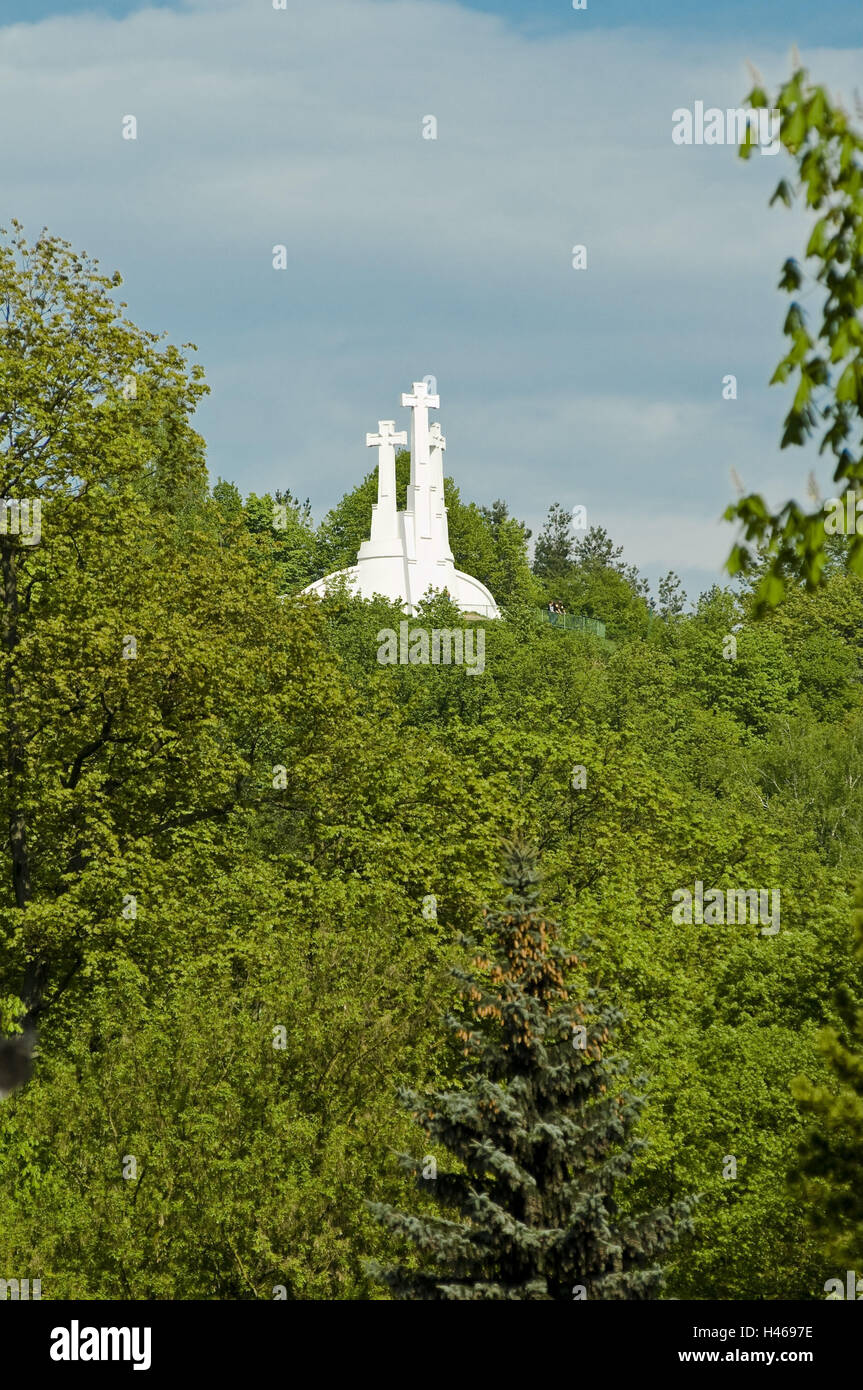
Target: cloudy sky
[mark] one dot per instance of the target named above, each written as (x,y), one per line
(451,257)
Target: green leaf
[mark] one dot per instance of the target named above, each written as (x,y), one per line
(803,392)
(773,589)
(792,276)
(794,131)
(817,108)
(818,240)
(847,387)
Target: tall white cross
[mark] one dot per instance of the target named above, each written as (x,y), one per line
(440,530)
(385,441)
(420,402)
(437,444)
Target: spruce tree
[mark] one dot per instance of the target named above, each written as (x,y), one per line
(541,1131)
(553,553)
(828,1172)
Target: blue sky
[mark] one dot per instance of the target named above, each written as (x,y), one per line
(449,257)
(834,23)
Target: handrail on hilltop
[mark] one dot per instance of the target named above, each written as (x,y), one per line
(575,622)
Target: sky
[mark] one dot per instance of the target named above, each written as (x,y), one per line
(449,257)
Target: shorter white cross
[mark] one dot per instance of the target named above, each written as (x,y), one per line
(388,434)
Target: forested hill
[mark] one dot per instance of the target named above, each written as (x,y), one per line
(228,819)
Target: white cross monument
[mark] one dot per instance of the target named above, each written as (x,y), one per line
(408,552)
(384,523)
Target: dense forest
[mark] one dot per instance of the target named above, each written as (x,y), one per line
(227,821)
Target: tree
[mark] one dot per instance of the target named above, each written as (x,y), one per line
(498,518)
(541,1132)
(827,365)
(95,433)
(672,596)
(230,838)
(347,524)
(555,544)
(597,551)
(510,578)
(828,1172)
(284,536)
(589,575)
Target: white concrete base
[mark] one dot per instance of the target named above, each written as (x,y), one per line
(468,593)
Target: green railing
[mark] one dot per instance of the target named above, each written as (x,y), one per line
(573,622)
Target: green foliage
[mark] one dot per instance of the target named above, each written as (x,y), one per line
(555,544)
(589,576)
(828,1172)
(492,546)
(672,596)
(824,361)
(541,1131)
(221,838)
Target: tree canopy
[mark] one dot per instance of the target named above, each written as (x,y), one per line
(242,856)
